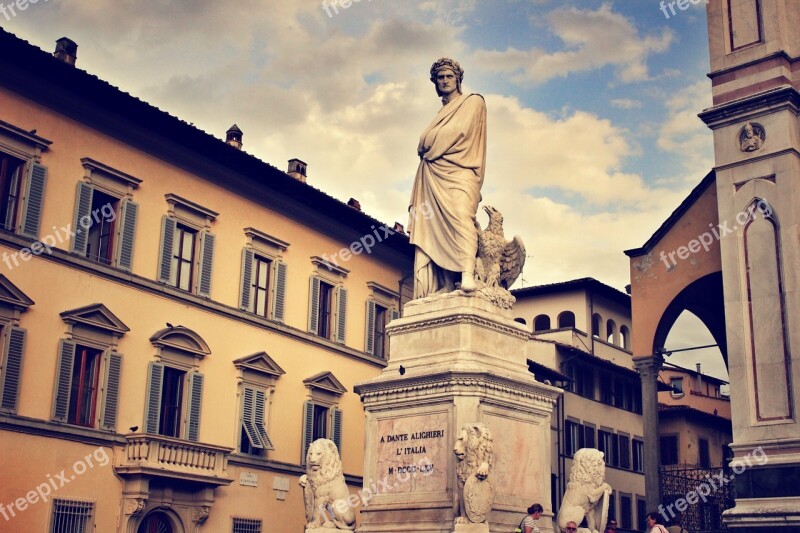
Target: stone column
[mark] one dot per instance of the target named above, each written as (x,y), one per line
(648,367)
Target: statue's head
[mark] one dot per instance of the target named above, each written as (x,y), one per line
(440,70)
(322,461)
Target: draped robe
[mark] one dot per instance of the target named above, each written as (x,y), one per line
(447,187)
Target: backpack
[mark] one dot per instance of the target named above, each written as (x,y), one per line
(520,528)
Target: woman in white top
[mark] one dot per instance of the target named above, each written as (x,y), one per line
(653,525)
(528,525)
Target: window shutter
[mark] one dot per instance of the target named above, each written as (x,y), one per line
(279,292)
(308,430)
(129,214)
(313,306)
(336,428)
(152,402)
(260,419)
(66,359)
(341,319)
(395,314)
(168,227)
(12,369)
(248,417)
(83,208)
(581,436)
(206,262)
(370,336)
(34,200)
(194,404)
(246,288)
(108,418)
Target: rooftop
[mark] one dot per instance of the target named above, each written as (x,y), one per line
(587,284)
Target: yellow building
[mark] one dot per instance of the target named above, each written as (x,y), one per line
(179,319)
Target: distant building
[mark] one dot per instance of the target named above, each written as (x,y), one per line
(179,319)
(581,334)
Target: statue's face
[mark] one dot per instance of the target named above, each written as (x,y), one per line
(446,82)
(748,130)
(315,456)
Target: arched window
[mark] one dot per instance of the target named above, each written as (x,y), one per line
(625,337)
(611,331)
(541,323)
(566,319)
(596,321)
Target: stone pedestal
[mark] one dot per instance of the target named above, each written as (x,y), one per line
(453,360)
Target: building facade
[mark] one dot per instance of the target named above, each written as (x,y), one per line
(581,334)
(179,319)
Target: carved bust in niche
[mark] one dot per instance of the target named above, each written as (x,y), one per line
(751,137)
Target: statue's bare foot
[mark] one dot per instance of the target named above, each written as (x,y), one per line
(467,282)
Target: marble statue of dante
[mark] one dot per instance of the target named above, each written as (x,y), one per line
(447,187)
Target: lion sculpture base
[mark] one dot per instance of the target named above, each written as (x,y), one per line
(325,491)
(587,492)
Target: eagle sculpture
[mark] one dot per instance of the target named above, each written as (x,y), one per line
(499,262)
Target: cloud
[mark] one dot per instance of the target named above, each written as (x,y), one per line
(683,133)
(626,103)
(586,48)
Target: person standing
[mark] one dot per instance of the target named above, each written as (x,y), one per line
(611,526)
(653,525)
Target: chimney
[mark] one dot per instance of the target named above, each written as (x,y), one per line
(234,137)
(699,378)
(66,51)
(355,204)
(297,169)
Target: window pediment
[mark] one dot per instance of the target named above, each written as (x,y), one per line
(181,339)
(12,296)
(96,316)
(94,168)
(325,382)
(260,363)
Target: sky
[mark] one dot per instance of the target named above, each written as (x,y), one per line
(593,134)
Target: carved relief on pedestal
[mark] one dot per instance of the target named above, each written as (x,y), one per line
(752,137)
(474,450)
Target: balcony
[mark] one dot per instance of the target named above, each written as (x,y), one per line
(166,457)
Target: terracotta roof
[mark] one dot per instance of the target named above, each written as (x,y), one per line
(37,75)
(685,410)
(542,372)
(587,284)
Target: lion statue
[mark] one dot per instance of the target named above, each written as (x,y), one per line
(474,450)
(585,490)
(324,489)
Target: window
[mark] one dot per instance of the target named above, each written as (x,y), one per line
(22,180)
(677,387)
(612,506)
(641,513)
(588,432)
(105,215)
(246,525)
(625,337)
(541,323)
(263,284)
(322,419)
(381,310)
(669,450)
(596,321)
(625,517)
(85,377)
(187,247)
(572,437)
(585,382)
(605,445)
(256,374)
(88,369)
(637,398)
(703,452)
(72,516)
(327,309)
(638,455)
(566,319)
(606,389)
(611,331)
(174,394)
(624,452)
(12,343)
(11,173)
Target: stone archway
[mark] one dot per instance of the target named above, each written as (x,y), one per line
(160,522)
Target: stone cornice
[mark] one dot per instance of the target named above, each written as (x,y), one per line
(780,98)
(457,319)
(415,388)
